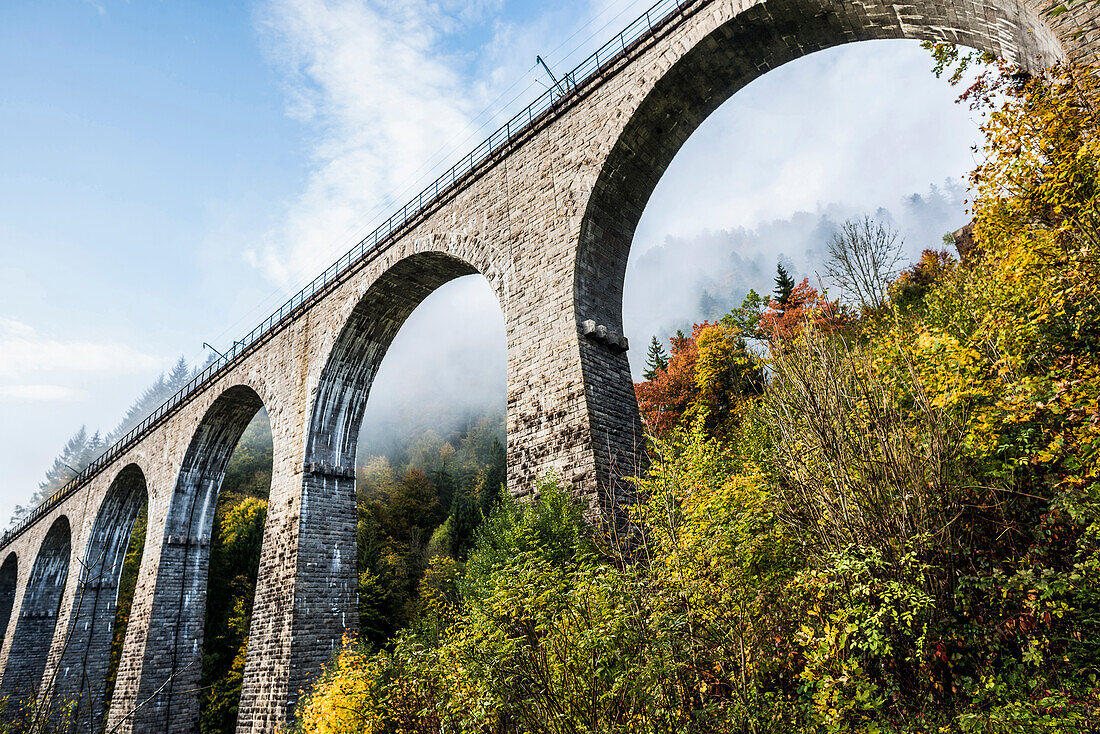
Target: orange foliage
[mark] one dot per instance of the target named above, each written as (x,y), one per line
(782,320)
(664,400)
(708,375)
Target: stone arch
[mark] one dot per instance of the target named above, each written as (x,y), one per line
(357,353)
(743,45)
(80,680)
(34,630)
(327,540)
(172,662)
(9,582)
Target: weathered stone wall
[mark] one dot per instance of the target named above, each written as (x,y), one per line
(548,223)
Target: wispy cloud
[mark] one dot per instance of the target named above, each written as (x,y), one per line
(394,92)
(26,354)
(40,393)
(380,87)
(100,8)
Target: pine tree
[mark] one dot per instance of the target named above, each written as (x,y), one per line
(82,449)
(784,284)
(656,360)
(153,397)
(77,453)
(178,377)
(92,449)
(67,464)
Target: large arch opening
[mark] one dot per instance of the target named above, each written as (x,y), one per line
(34,630)
(235,543)
(858,130)
(740,50)
(431,454)
(177,661)
(84,674)
(9,581)
(411,400)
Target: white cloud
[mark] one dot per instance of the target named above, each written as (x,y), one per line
(377,83)
(11,327)
(397,91)
(40,393)
(27,354)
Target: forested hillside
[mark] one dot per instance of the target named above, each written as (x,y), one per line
(871,510)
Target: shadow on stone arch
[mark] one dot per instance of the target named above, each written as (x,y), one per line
(172,665)
(34,630)
(752,41)
(80,683)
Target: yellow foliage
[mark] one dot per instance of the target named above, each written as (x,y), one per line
(348,699)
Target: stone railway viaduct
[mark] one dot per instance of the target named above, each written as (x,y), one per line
(547,217)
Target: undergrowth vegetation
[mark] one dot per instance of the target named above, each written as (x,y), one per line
(872,518)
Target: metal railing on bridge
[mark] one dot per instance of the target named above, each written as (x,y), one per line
(641,28)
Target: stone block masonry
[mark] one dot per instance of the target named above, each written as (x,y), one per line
(548,221)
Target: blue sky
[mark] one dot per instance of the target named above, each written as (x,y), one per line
(170,171)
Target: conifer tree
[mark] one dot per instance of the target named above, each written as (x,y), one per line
(77,453)
(67,464)
(784,284)
(656,360)
(154,396)
(178,377)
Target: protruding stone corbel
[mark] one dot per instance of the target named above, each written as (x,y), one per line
(37,614)
(324,469)
(602,335)
(183,540)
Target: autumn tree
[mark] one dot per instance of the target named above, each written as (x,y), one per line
(664,400)
(706,376)
(803,304)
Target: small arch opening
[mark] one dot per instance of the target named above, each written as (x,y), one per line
(431,455)
(205,585)
(235,542)
(415,356)
(9,580)
(34,630)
